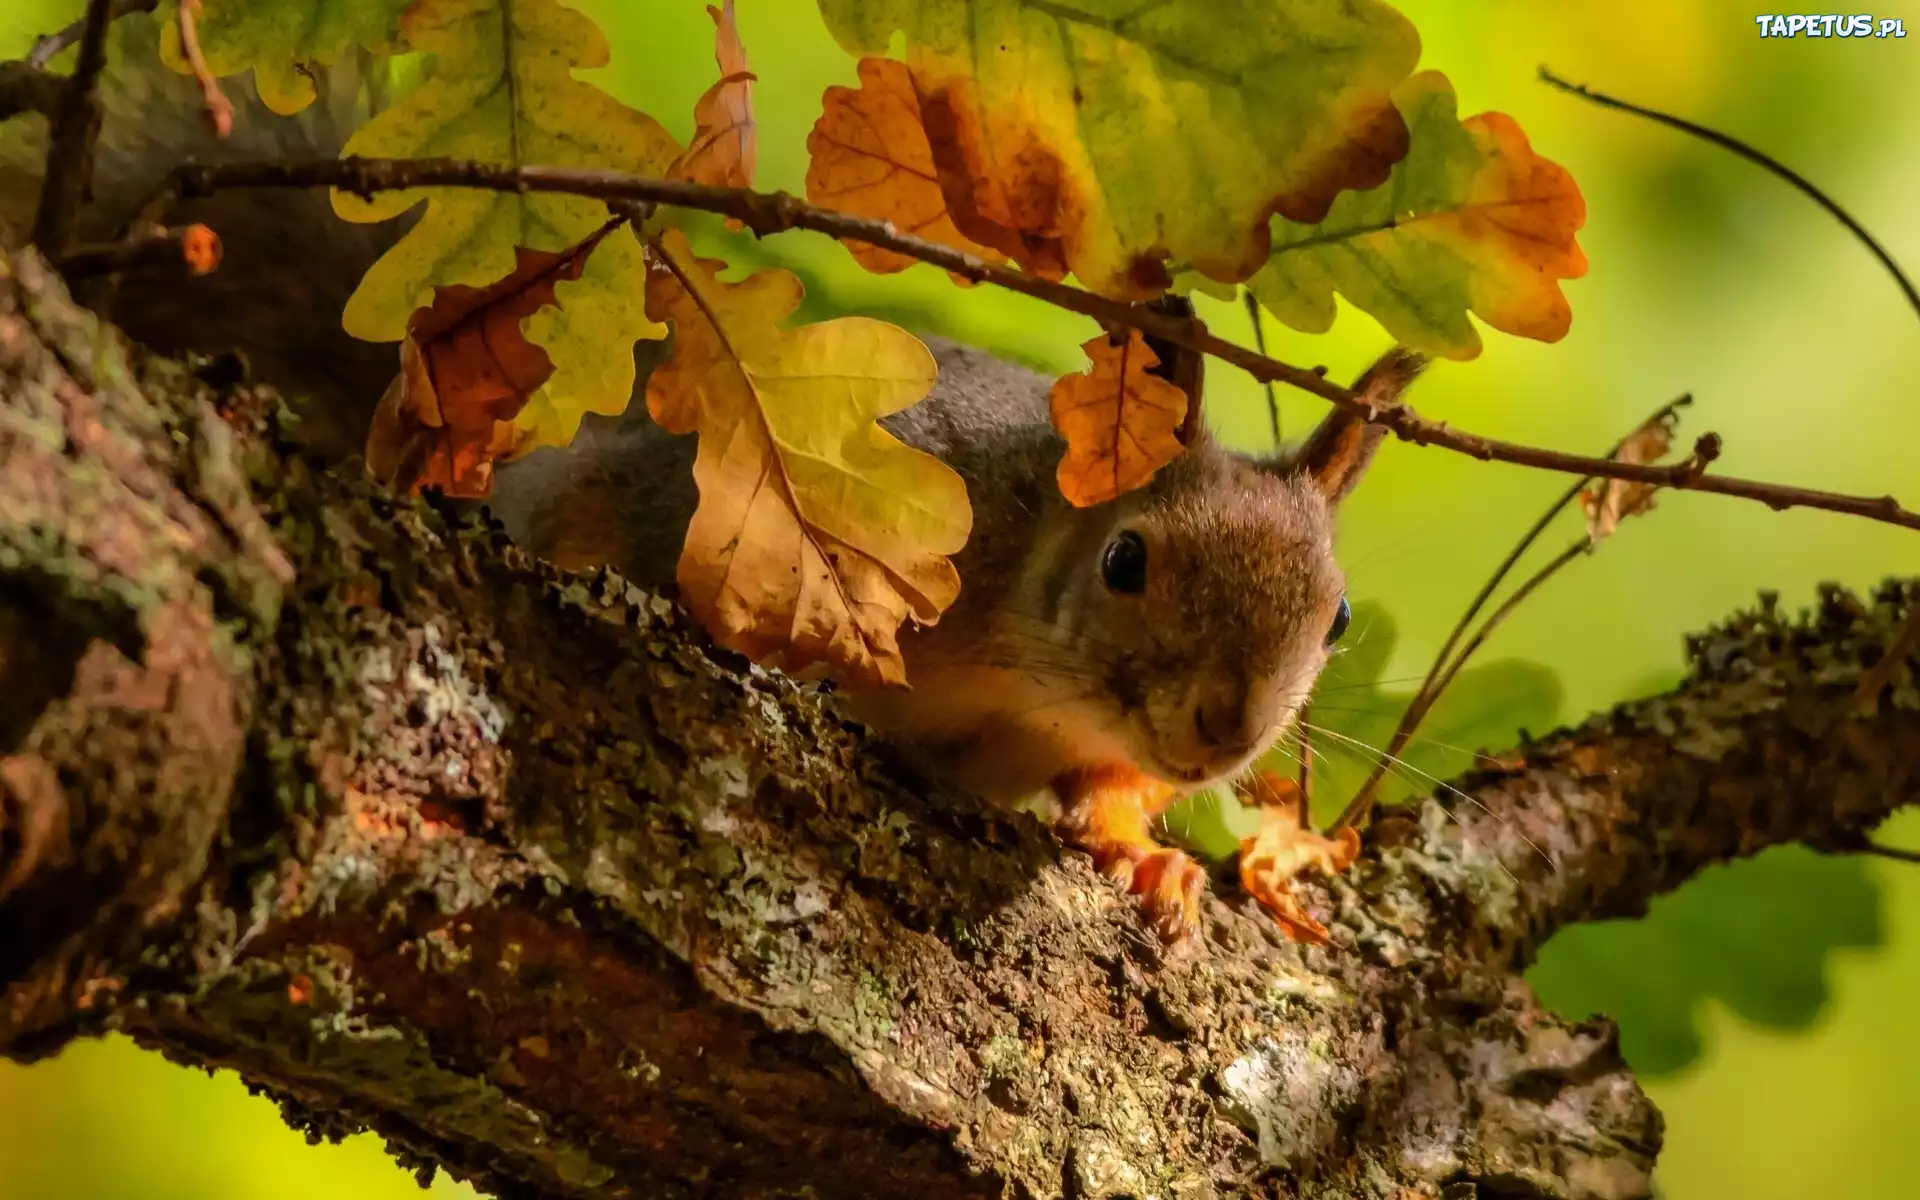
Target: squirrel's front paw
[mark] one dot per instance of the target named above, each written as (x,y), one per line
(1284,847)
(1168,885)
(1109,814)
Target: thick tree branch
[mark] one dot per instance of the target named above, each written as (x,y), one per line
(770,213)
(422,836)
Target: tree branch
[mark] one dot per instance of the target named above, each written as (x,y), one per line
(75,126)
(770,213)
(422,836)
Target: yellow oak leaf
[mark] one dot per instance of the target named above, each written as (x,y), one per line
(869,155)
(817,532)
(1121,422)
(725,142)
(502,90)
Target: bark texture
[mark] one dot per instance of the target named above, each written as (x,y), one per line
(419,835)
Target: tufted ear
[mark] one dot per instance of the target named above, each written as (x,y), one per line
(1337,453)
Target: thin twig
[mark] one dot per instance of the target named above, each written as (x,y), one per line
(1260,344)
(1362,801)
(74,126)
(1895,853)
(1428,692)
(219,108)
(193,247)
(1756,157)
(1881,673)
(769,213)
(49,47)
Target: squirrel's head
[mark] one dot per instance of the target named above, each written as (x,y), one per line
(1200,609)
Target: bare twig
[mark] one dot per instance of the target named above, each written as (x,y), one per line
(1736,146)
(1362,802)
(1894,853)
(1438,675)
(1260,344)
(49,47)
(776,212)
(219,108)
(26,88)
(75,123)
(194,247)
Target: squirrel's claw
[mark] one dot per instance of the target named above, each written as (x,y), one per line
(1168,885)
(1109,813)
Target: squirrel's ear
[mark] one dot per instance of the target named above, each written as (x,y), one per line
(1337,453)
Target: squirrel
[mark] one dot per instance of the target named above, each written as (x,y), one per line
(1109,660)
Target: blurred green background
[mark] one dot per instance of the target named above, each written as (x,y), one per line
(1767,1003)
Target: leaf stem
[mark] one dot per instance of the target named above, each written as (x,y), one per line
(1439,675)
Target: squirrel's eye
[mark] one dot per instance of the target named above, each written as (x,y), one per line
(1342,617)
(1123,566)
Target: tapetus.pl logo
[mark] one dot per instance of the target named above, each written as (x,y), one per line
(1858,25)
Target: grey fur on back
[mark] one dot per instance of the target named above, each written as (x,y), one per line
(985,417)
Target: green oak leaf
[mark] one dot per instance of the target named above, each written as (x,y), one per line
(1471,221)
(1131,134)
(1755,935)
(281,41)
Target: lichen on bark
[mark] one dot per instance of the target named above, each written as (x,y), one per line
(417,834)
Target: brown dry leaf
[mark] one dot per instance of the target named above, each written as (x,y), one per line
(869,156)
(818,532)
(725,143)
(466,371)
(1121,423)
(1283,848)
(1609,501)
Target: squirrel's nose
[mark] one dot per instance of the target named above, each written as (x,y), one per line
(1229,718)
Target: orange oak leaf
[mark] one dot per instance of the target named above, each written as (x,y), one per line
(869,156)
(1284,847)
(817,532)
(725,143)
(466,371)
(1121,422)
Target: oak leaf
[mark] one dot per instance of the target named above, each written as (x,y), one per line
(1284,847)
(1472,221)
(1607,502)
(502,90)
(1121,422)
(725,143)
(1167,132)
(284,42)
(817,531)
(466,372)
(869,155)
